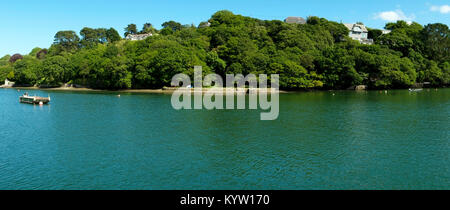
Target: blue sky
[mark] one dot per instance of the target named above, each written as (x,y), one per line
(27,24)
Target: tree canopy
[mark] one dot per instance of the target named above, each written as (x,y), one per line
(316,55)
(131,29)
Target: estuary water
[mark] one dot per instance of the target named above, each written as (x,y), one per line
(322,140)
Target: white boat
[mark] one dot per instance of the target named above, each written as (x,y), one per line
(415,90)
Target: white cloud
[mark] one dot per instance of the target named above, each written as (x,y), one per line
(444,9)
(393,16)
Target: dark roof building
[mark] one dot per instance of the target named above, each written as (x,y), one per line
(296,20)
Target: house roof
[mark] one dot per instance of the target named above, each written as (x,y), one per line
(204,25)
(138,36)
(356,27)
(298,20)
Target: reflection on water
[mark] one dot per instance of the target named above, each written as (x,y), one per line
(345,140)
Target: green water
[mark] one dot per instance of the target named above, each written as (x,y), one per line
(349,140)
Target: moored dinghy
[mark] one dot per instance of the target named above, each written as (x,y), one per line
(25,98)
(415,90)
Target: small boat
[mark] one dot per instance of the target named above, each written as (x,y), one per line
(415,90)
(25,98)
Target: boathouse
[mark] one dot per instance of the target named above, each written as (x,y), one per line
(8,83)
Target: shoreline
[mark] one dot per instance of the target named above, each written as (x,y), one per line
(159,91)
(88,90)
(171,90)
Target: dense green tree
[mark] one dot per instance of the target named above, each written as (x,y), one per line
(113,74)
(166,31)
(112,35)
(398,41)
(66,41)
(217,65)
(401,24)
(56,70)
(5,68)
(156,67)
(91,37)
(394,72)
(338,68)
(15,58)
(175,26)
(130,29)
(446,73)
(437,42)
(34,51)
(41,54)
(5,60)
(374,34)
(404,37)
(313,20)
(148,28)
(4,71)
(432,73)
(337,30)
(26,71)
(5,57)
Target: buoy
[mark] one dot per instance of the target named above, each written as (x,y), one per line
(118,96)
(41,103)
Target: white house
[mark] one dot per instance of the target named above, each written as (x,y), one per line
(137,37)
(386,31)
(204,25)
(8,83)
(359,32)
